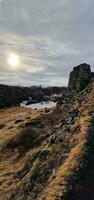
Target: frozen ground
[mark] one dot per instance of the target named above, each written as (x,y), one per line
(42,105)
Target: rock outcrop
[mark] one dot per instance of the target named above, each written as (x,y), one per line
(79,77)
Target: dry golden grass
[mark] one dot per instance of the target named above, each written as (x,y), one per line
(41,173)
(59,186)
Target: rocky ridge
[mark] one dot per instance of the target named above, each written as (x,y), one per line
(80,77)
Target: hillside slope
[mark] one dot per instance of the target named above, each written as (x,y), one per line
(49,156)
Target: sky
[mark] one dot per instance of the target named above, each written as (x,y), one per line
(49,37)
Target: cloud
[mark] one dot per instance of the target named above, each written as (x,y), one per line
(50,37)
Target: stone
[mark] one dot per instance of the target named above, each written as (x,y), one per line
(72,116)
(66,128)
(70,120)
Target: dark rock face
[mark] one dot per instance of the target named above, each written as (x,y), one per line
(79,77)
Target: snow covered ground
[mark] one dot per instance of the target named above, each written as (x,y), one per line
(42,105)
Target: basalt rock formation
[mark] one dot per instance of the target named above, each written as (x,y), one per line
(50,157)
(79,77)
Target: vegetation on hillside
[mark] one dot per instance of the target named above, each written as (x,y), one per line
(14,95)
(49,156)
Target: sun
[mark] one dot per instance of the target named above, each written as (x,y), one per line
(13,60)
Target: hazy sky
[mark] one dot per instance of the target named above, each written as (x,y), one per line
(49,37)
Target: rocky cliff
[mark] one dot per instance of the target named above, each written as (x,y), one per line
(49,156)
(79,77)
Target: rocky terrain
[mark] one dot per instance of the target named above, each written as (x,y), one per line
(50,155)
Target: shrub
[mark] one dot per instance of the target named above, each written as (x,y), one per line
(18,121)
(27,138)
(2,126)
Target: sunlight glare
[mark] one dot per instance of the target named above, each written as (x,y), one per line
(13,60)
